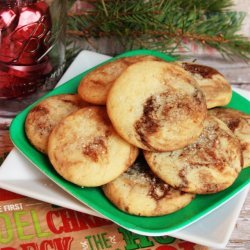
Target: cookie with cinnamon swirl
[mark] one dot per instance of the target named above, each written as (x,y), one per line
(47,114)
(138,191)
(209,165)
(85,149)
(94,87)
(239,123)
(217,90)
(157,106)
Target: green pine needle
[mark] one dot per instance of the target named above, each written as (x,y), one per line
(164,25)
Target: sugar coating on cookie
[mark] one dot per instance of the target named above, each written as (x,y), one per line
(209,165)
(85,149)
(47,114)
(239,123)
(138,191)
(94,87)
(157,106)
(217,90)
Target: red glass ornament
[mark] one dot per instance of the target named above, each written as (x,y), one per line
(25,30)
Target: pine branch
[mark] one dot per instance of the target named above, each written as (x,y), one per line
(164,25)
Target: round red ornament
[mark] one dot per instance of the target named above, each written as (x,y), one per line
(25,30)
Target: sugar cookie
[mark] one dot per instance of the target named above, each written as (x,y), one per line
(45,115)
(138,191)
(94,87)
(217,90)
(239,123)
(85,149)
(209,165)
(157,106)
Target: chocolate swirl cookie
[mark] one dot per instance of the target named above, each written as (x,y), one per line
(209,165)
(239,123)
(46,115)
(213,84)
(157,106)
(94,87)
(138,191)
(85,149)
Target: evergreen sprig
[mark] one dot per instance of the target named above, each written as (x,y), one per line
(164,25)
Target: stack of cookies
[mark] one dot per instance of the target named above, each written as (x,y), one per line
(147,132)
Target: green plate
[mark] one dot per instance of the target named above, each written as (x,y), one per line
(94,198)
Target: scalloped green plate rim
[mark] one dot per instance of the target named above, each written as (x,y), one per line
(94,197)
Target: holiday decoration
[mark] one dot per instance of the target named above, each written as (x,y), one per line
(168,26)
(31,51)
(25,32)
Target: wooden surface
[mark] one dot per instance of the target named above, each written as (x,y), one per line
(240,238)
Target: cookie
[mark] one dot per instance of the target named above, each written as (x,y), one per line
(46,115)
(215,87)
(209,165)
(239,123)
(85,149)
(138,191)
(94,87)
(157,106)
